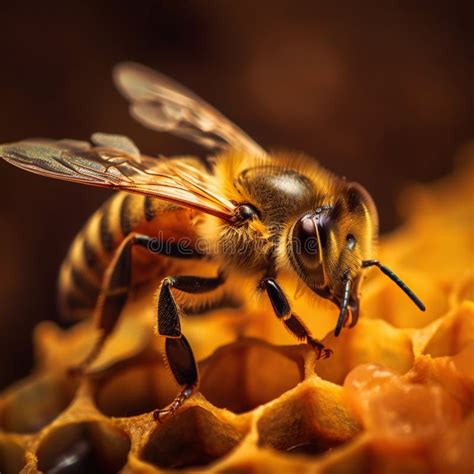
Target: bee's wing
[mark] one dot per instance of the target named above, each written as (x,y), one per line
(110,167)
(162,104)
(120,142)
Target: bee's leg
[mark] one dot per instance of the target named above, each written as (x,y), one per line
(178,351)
(116,286)
(282,309)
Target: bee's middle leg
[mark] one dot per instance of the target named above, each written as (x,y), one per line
(178,351)
(282,309)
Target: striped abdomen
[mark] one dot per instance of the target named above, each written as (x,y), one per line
(91,252)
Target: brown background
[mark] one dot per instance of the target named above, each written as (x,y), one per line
(383,95)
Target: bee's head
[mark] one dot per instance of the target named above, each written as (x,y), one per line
(327,245)
(331,245)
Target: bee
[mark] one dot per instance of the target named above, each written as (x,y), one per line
(243,214)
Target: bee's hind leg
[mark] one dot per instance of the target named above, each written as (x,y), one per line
(114,293)
(178,351)
(282,309)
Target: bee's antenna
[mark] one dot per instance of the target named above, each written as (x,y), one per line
(393,277)
(345,302)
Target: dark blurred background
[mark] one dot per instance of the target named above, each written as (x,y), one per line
(380,94)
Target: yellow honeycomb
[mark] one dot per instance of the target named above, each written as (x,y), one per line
(396,396)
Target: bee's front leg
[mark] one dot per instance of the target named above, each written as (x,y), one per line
(282,309)
(178,351)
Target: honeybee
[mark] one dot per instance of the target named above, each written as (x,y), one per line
(244,213)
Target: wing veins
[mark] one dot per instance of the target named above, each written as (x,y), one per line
(113,168)
(160,103)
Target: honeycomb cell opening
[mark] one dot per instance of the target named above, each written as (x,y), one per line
(92,447)
(153,387)
(312,421)
(36,403)
(249,373)
(12,456)
(193,438)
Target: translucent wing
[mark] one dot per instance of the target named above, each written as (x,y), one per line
(116,141)
(111,167)
(161,104)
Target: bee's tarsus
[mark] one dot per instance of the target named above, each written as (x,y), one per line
(322,351)
(395,279)
(163,414)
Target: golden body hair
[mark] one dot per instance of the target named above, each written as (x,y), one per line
(268,183)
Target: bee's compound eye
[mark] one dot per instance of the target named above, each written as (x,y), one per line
(305,237)
(307,227)
(309,242)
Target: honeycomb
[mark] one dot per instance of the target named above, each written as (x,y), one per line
(396,396)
